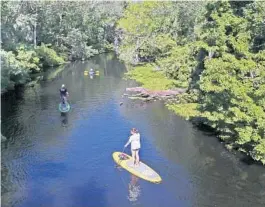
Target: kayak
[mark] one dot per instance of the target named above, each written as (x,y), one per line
(64,107)
(142,171)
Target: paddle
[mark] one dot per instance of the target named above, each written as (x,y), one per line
(123,149)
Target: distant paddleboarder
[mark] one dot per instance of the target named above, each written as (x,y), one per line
(134,140)
(91,72)
(63,93)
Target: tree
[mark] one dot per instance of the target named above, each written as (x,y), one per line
(232,80)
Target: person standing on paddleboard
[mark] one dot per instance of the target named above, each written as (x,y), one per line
(135,146)
(63,93)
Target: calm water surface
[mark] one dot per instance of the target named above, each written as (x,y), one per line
(59,160)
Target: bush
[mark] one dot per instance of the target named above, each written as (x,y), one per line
(28,59)
(12,71)
(48,56)
(109,47)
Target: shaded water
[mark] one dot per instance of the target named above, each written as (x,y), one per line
(59,160)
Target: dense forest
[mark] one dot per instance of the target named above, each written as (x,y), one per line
(216,50)
(40,34)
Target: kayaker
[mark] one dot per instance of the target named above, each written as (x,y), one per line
(134,140)
(91,71)
(63,93)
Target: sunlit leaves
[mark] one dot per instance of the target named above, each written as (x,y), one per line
(237,75)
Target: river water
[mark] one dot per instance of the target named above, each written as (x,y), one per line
(59,160)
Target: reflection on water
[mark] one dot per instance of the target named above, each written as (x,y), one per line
(53,159)
(134,189)
(64,117)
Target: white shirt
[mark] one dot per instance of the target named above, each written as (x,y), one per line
(135,141)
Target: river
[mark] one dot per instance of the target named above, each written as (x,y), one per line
(59,160)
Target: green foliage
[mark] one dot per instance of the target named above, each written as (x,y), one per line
(218,55)
(255,15)
(140,39)
(12,73)
(233,80)
(76,40)
(150,17)
(28,59)
(55,22)
(156,26)
(109,47)
(188,97)
(73,30)
(179,65)
(187,111)
(48,56)
(150,79)
(259,151)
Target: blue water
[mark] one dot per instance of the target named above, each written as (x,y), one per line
(59,160)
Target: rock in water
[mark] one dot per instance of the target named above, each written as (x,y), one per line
(145,93)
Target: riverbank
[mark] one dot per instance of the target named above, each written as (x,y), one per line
(153,80)
(182,104)
(25,67)
(20,66)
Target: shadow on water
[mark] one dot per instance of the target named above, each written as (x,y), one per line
(248,160)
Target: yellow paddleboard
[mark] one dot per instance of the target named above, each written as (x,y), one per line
(142,171)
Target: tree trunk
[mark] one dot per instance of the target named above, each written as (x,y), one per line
(35,34)
(210,55)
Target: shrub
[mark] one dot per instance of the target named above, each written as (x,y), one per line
(12,71)
(48,56)
(28,59)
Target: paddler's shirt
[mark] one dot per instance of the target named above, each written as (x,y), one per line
(63,91)
(135,141)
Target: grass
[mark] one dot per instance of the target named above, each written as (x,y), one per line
(187,110)
(150,79)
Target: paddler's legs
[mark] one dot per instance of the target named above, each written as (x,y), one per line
(137,157)
(63,99)
(133,156)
